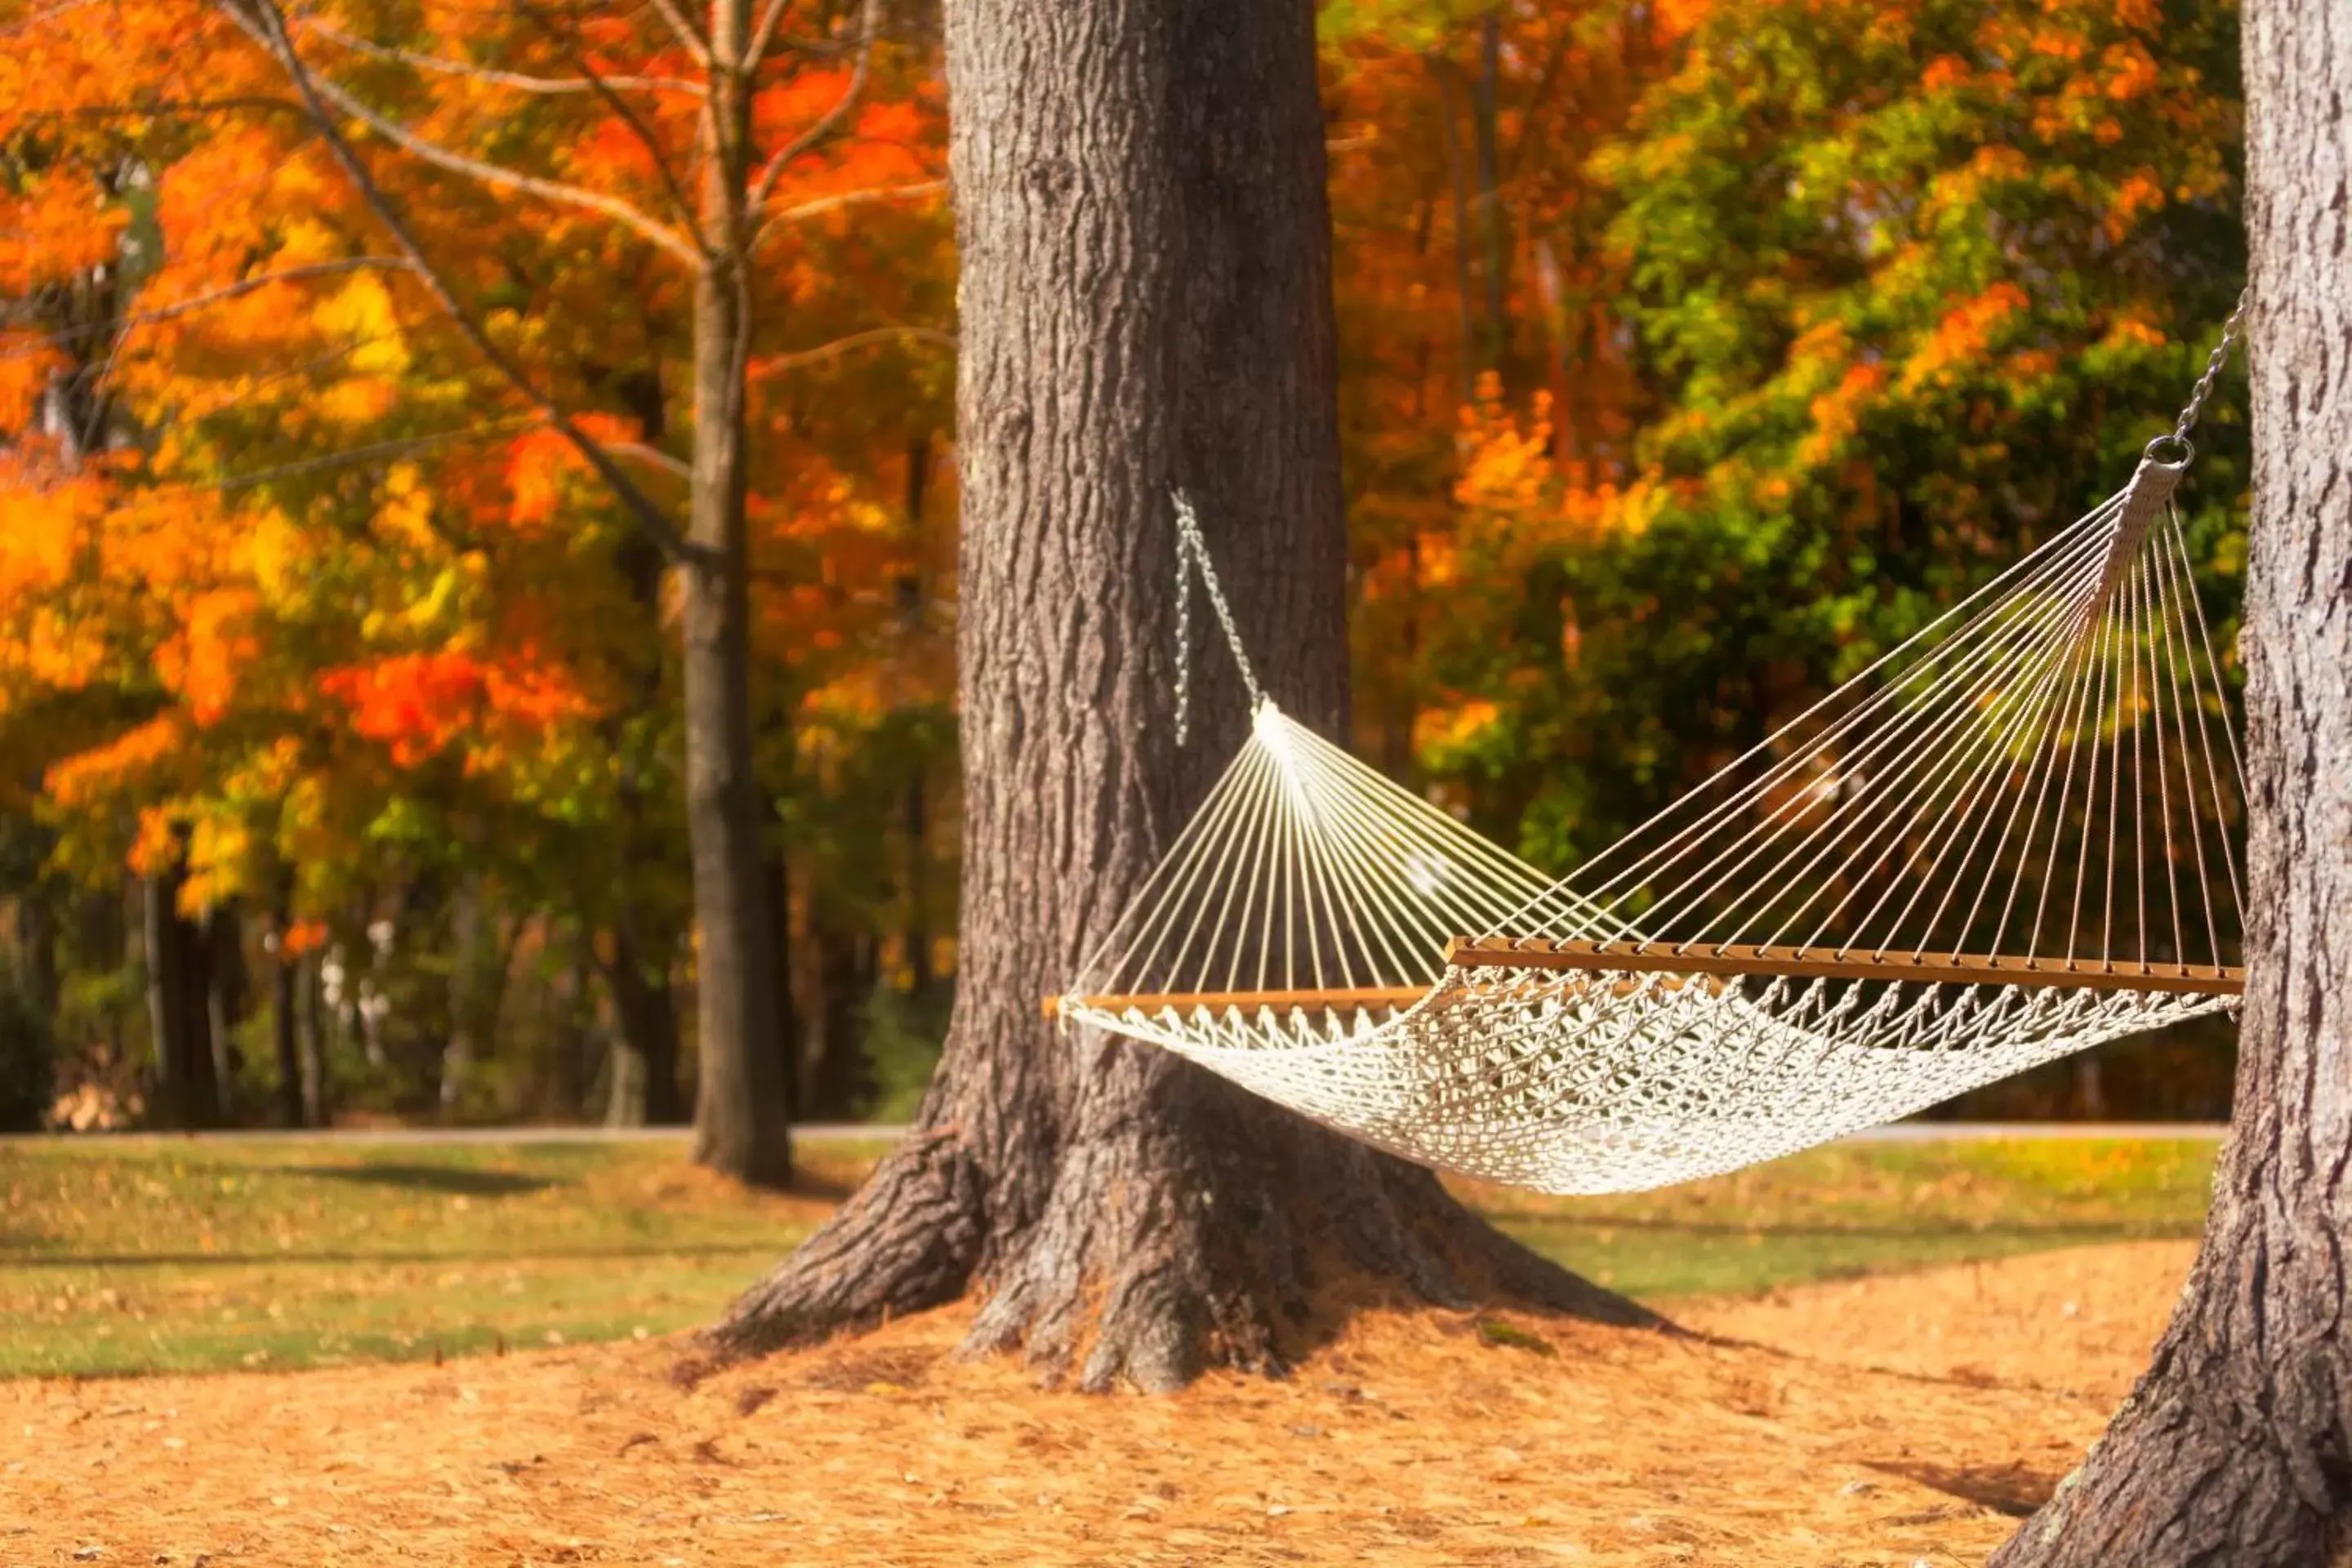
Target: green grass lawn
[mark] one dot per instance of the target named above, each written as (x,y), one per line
(1866,1208)
(153,1254)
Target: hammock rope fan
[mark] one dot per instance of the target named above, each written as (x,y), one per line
(2006,840)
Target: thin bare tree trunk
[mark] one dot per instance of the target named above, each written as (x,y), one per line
(1145,276)
(1441,70)
(1486,115)
(741,1123)
(224,1002)
(178,1011)
(2236,1448)
(643,1087)
(311,1042)
(285,1023)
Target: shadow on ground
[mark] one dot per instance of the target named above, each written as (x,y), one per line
(2015,1490)
(455,1180)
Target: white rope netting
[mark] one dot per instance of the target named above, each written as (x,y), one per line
(2008,839)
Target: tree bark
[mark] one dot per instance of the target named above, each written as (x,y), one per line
(178,1011)
(311,1042)
(36,947)
(914,808)
(224,1002)
(741,1123)
(481,960)
(1485,117)
(776,891)
(642,1090)
(840,1074)
(1145,278)
(285,1023)
(2236,1447)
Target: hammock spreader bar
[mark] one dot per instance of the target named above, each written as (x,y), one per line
(1826,964)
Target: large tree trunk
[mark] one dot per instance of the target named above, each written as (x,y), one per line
(741,1122)
(2236,1448)
(1146,302)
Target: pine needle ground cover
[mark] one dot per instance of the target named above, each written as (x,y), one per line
(1885,1421)
(140,1255)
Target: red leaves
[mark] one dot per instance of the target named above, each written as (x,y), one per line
(416,704)
(421,704)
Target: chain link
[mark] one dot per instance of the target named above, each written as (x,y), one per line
(1192,555)
(2214,361)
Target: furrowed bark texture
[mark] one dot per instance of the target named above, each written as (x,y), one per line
(2236,1448)
(1146,302)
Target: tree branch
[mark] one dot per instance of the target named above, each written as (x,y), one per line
(267,25)
(820,206)
(495,176)
(693,42)
(242,286)
(869,18)
(351,457)
(853,340)
(519,82)
(666,462)
(166,107)
(755,52)
(680,205)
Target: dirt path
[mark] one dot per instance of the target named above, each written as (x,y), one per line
(1893,1421)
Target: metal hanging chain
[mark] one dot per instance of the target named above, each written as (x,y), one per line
(2214,361)
(1191,555)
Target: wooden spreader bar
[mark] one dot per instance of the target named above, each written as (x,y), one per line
(1826,963)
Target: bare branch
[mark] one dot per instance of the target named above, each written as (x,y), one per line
(820,206)
(840,346)
(756,51)
(499,177)
(164,108)
(237,290)
(351,457)
(693,42)
(519,82)
(683,208)
(664,461)
(267,25)
(495,176)
(870,20)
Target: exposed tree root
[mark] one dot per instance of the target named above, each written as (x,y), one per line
(905,1241)
(1185,1226)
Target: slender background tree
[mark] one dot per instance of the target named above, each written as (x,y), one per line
(602,243)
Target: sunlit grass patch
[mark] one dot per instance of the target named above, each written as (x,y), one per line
(153,1254)
(1866,1208)
(139,1255)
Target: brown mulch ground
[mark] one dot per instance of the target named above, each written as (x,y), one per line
(1899,1421)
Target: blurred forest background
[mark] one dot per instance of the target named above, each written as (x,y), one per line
(1692,351)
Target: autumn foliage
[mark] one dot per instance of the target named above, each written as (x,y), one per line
(1690,352)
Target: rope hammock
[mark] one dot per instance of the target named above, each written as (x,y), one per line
(2006,840)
